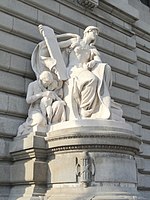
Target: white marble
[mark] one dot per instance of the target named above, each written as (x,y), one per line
(87,85)
(46,106)
(72,81)
(90,123)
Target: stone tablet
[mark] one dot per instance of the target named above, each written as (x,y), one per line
(54,50)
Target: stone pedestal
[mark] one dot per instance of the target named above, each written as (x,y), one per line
(29,168)
(76,160)
(92,159)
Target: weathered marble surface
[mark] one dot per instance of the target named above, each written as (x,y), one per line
(46,106)
(78,159)
(72,81)
(92,159)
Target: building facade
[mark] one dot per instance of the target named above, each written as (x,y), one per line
(124,43)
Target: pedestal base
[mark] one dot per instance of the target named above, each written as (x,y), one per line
(90,194)
(92,159)
(77,160)
(29,169)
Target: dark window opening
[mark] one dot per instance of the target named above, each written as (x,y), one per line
(146,2)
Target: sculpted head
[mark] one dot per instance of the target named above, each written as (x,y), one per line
(46,78)
(90,33)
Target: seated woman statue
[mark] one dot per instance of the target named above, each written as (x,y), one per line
(86,90)
(89,80)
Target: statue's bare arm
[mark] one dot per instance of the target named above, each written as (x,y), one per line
(72,35)
(96,55)
(67,43)
(95,58)
(32,97)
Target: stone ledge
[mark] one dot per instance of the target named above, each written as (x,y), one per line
(91,123)
(93,194)
(28,144)
(103,135)
(121,9)
(142,29)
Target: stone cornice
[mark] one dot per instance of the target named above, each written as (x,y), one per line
(121,9)
(101,136)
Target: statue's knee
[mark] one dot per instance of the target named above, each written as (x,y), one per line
(58,105)
(38,118)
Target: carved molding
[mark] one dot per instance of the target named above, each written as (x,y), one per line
(104,135)
(88,3)
(99,147)
(29,154)
(103,141)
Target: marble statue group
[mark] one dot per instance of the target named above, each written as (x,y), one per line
(71,82)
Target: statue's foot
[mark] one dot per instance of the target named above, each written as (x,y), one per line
(85,113)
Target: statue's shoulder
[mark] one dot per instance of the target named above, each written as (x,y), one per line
(33,84)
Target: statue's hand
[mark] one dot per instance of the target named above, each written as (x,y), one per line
(49,94)
(91,64)
(41,28)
